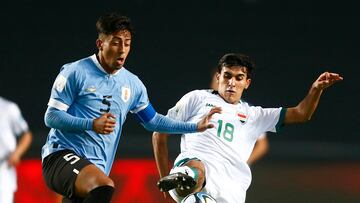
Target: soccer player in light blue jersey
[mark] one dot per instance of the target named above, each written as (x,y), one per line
(88,105)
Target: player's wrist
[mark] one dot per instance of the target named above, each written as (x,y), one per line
(90,124)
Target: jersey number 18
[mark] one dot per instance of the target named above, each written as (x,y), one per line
(228,133)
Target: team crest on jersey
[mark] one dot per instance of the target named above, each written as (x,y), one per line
(242,117)
(125,94)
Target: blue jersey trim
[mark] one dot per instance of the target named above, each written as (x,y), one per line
(146,114)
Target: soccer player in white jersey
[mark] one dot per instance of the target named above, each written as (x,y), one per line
(214,161)
(12,125)
(261,146)
(88,105)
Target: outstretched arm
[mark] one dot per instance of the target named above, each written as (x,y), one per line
(153,121)
(305,109)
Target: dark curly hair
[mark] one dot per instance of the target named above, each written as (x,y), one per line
(113,22)
(237,59)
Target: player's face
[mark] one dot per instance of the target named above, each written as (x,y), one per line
(231,83)
(113,50)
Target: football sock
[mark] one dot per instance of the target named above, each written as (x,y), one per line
(101,194)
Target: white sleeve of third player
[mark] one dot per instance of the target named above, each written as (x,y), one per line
(186,107)
(18,123)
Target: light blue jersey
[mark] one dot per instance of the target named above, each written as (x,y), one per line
(84,90)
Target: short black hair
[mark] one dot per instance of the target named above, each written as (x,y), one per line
(237,59)
(110,23)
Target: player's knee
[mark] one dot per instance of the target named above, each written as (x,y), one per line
(100,181)
(199,169)
(105,182)
(90,178)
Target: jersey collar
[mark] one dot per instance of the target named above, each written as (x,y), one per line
(98,65)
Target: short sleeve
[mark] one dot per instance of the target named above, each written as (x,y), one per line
(267,119)
(64,89)
(186,107)
(141,99)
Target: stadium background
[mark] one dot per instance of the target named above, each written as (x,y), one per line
(176,45)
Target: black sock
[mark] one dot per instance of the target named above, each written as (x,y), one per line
(101,194)
(73,200)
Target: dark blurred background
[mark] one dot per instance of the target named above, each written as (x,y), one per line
(175,48)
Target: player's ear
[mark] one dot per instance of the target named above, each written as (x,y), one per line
(248,81)
(99,44)
(217,75)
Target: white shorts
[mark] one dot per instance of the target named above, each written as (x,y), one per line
(6,196)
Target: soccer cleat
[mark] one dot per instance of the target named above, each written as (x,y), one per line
(176,181)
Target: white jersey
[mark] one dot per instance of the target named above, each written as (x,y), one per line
(12,124)
(225,148)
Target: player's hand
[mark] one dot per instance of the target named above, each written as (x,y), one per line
(13,160)
(326,79)
(204,124)
(105,124)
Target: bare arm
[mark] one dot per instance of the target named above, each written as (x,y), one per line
(260,149)
(161,153)
(305,109)
(22,146)
(160,147)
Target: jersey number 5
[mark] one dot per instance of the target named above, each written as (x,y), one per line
(107,103)
(228,133)
(71,157)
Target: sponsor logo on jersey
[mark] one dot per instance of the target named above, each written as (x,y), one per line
(91,89)
(210,105)
(125,94)
(242,117)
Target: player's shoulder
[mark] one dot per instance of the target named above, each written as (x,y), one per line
(194,97)
(244,103)
(248,107)
(6,102)
(79,65)
(199,93)
(129,74)
(8,105)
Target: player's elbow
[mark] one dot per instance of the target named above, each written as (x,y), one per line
(152,124)
(149,126)
(50,117)
(304,117)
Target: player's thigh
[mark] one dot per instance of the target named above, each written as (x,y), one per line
(61,169)
(6,196)
(89,178)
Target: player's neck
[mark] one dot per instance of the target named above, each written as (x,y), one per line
(105,66)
